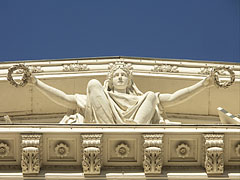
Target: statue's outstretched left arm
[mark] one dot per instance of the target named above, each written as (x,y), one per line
(182,95)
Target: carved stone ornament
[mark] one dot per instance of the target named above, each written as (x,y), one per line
(213,148)
(152,162)
(206,70)
(223,84)
(61,150)
(183,150)
(153,146)
(214,160)
(4,150)
(30,160)
(75,67)
(31,153)
(122,150)
(237,150)
(91,153)
(91,160)
(118,64)
(165,68)
(25,76)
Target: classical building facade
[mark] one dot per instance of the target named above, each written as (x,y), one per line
(198,139)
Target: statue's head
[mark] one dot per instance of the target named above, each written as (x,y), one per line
(120,76)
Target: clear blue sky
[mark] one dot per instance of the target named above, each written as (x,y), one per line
(184,29)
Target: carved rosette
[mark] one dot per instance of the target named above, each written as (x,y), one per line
(237,150)
(153,150)
(122,150)
(4,149)
(213,156)
(61,150)
(31,156)
(91,162)
(183,150)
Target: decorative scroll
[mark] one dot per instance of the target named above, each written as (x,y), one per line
(183,150)
(153,146)
(122,150)
(91,153)
(4,149)
(165,68)
(25,76)
(31,156)
(75,67)
(213,156)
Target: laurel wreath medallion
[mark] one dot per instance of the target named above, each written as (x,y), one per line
(25,76)
(223,84)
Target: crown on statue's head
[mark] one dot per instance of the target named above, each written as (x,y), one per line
(126,67)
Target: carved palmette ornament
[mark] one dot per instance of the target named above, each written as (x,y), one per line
(25,76)
(91,160)
(4,149)
(152,162)
(214,160)
(213,156)
(31,153)
(92,148)
(30,160)
(218,71)
(153,150)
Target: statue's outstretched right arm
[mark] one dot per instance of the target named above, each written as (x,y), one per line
(56,95)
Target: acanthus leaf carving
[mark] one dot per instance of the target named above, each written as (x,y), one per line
(213,156)
(153,150)
(92,149)
(31,153)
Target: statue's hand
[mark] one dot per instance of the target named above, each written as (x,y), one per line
(32,80)
(209,80)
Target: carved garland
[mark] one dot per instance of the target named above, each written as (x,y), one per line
(25,76)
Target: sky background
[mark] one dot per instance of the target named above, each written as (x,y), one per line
(179,29)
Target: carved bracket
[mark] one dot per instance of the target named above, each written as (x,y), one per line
(153,150)
(213,153)
(31,156)
(92,150)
